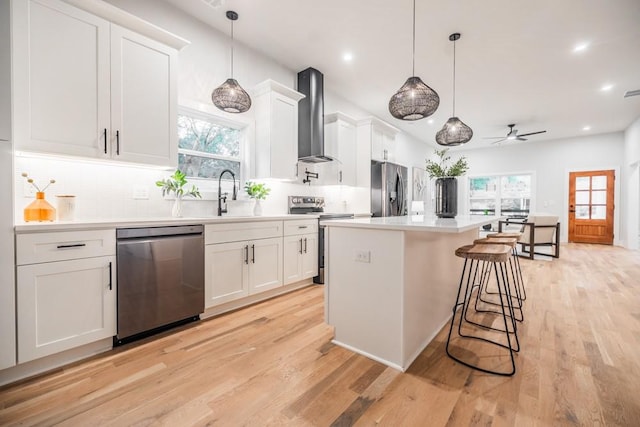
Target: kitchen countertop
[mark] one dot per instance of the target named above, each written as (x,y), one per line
(458,224)
(30,227)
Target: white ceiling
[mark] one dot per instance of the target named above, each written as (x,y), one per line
(514,63)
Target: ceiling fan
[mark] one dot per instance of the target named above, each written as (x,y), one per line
(512,135)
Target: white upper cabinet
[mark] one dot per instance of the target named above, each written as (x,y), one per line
(340,142)
(276,143)
(85,86)
(381,136)
(5,71)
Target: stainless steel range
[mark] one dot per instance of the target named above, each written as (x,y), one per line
(315,205)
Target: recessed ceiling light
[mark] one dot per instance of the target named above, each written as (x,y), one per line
(606,87)
(580,47)
(586,128)
(347,57)
(430,121)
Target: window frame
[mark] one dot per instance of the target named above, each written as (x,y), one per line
(243,158)
(498,197)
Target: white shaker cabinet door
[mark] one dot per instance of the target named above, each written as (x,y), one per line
(61,79)
(143,99)
(292,254)
(265,264)
(227,272)
(65,304)
(309,256)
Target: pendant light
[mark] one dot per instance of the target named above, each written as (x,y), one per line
(230,96)
(454,132)
(414,100)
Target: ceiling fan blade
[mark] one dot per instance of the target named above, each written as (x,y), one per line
(492,137)
(500,140)
(533,133)
(519,138)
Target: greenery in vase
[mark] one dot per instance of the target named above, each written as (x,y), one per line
(441,168)
(175,183)
(256,190)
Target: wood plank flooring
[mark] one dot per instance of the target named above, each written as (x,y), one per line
(273,364)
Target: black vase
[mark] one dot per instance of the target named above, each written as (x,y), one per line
(446,197)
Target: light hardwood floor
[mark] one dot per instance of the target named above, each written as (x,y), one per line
(273,364)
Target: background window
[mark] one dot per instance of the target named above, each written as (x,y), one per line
(502,195)
(207,147)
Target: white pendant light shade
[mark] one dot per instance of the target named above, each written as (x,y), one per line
(414,100)
(454,131)
(230,96)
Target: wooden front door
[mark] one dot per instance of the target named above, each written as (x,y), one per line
(591,207)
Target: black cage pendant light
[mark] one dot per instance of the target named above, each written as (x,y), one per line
(230,96)
(454,132)
(414,100)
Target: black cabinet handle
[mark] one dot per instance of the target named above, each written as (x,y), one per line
(340,176)
(75,245)
(105,140)
(305,245)
(246,254)
(303,226)
(118,142)
(110,282)
(301,245)
(253,254)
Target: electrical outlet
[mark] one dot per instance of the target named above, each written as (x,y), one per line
(140,192)
(28,190)
(363,256)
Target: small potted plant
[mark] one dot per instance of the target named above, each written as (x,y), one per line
(446,174)
(175,184)
(257,191)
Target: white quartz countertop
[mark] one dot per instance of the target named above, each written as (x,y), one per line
(458,224)
(30,227)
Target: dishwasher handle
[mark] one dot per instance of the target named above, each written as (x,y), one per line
(159,232)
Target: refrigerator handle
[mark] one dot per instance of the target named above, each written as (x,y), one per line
(400,190)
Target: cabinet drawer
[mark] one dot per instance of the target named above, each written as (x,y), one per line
(234,232)
(300,226)
(34,248)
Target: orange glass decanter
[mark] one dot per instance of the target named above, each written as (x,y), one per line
(39,210)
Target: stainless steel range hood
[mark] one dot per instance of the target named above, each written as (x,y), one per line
(311,117)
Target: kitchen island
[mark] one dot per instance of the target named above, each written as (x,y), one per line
(391,282)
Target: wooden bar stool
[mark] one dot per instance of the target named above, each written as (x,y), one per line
(514,279)
(515,235)
(496,257)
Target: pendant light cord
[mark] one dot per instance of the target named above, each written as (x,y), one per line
(232,48)
(454,78)
(413,65)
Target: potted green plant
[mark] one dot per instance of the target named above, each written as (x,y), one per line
(446,174)
(257,191)
(175,185)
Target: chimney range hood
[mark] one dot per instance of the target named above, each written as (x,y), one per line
(311,117)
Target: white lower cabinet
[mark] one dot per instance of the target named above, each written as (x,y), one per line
(65,289)
(242,259)
(300,250)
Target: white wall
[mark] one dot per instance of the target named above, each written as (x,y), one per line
(551,162)
(632,184)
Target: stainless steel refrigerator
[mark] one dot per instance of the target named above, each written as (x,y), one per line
(388,189)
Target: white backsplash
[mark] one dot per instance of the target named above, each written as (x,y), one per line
(107,190)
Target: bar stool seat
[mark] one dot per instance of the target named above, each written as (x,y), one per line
(496,256)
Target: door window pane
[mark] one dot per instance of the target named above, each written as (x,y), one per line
(582,183)
(582,212)
(599,183)
(582,197)
(599,197)
(598,212)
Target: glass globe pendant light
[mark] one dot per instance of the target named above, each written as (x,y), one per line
(230,96)
(454,131)
(414,100)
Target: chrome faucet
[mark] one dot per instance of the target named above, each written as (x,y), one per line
(222,198)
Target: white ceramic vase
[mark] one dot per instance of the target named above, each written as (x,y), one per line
(257,208)
(176,210)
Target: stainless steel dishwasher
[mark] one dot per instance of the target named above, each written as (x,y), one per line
(160,278)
